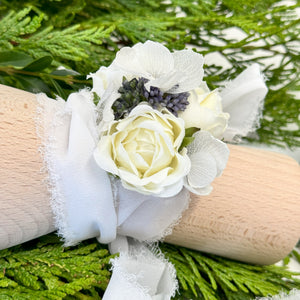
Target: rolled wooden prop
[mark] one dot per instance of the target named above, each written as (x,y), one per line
(252,215)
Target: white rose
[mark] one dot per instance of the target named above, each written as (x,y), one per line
(142,150)
(205,111)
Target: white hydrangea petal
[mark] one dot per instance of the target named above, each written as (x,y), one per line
(166,82)
(203,170)
(105,112)
(150,60)
(126,60)
(191,63)
(205,142)
(156,59)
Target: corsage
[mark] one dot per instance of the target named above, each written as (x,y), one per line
(123,170)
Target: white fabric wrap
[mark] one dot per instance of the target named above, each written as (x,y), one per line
(87,203)
(81,194)
(243,99)
(84,206)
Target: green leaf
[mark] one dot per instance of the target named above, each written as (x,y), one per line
(186,141)
(58,89)
(190,131)
(39,64)
(65,72)
(15,59)
(33,84)
(188,138)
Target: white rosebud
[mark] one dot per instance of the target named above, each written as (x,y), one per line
(205,111)
(142,150)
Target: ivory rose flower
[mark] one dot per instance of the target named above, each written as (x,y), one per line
(205,111)
(142,150)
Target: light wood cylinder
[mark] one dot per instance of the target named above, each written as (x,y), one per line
(253,213)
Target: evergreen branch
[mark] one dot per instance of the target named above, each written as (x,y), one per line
(43,269)
(15,25)
(69,44)
(213,277)
(46,270)
(20,31)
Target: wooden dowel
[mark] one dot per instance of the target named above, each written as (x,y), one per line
(252,214)
(25,211)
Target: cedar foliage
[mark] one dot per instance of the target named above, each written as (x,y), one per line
(43,269)
(37,36)
(210,277)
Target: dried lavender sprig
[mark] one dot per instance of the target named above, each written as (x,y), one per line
(134,92)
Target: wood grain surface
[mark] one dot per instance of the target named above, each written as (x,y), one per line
(25,211)
(253,213)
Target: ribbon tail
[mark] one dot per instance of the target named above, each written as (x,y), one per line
(141,274)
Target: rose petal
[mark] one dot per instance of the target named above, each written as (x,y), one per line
(171,190)
(198,191)
(102,155)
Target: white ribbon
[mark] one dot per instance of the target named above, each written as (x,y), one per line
(82,196)
(82,201)
(139,274)
(243,99)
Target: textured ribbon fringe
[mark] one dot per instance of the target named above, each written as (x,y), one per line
(141,274)
(51,115)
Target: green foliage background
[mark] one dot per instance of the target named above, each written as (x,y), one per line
(44,269)
(36,37)
(82,35)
